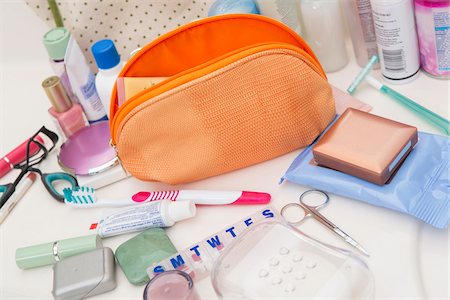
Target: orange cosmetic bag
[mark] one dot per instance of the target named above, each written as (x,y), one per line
(240,89)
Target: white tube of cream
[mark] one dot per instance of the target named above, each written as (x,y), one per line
(82,81)
(162,213)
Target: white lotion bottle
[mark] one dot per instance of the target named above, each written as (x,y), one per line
(398,47)
(109,67)
(324,29)
(360,23)
(140,217)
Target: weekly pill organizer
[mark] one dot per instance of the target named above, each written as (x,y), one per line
(273,260)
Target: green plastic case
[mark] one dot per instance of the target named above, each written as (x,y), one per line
(137,254)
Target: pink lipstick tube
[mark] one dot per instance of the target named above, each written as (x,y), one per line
(18,155)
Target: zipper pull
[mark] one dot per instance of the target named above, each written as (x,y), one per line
(117,155)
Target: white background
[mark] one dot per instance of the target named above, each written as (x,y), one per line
(409,259)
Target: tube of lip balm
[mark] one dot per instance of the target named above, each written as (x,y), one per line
(137,218)
(49,253)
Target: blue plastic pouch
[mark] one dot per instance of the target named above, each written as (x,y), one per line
(421,186)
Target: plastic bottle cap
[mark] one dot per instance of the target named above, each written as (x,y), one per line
(180,210)
(105,54)
(55,41)
(57,94)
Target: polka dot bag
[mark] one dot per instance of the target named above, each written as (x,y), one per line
(130,24)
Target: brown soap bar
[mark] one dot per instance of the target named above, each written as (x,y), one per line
(365,145)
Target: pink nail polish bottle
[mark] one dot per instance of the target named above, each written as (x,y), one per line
(68,116)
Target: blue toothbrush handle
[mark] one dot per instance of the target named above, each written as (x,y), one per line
(428,115)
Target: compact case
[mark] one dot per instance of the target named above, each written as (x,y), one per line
(365,145)
(240,89)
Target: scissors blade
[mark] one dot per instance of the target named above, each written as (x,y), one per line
(319,217)
(350,240)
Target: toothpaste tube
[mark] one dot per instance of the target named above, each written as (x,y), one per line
(138,218)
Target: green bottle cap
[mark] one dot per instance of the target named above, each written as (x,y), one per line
(55,41)
(49,253)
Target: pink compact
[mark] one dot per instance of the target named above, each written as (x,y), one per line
(172,284)
(88,152)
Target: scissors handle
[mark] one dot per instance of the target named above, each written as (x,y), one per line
(6,191)
(323,203)
(49,179)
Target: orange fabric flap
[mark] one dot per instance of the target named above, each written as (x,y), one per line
(204,40)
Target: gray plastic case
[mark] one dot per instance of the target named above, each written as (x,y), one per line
(84,275)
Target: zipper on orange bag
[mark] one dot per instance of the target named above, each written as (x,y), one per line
(206,68)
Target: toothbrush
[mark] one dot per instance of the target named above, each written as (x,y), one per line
(84,197)
(429,116)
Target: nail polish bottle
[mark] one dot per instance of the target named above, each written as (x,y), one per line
(68,116)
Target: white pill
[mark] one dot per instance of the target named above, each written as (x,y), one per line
(287,269)
(276,280)
(290,287)
(311,264)
(297,258)
(284,251)
(274,262)
(263,273)
(300,276)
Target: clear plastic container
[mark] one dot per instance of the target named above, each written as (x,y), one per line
(273,260)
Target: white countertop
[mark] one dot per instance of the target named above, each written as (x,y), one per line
(409,259)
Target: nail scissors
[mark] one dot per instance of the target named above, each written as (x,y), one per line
(310,210)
